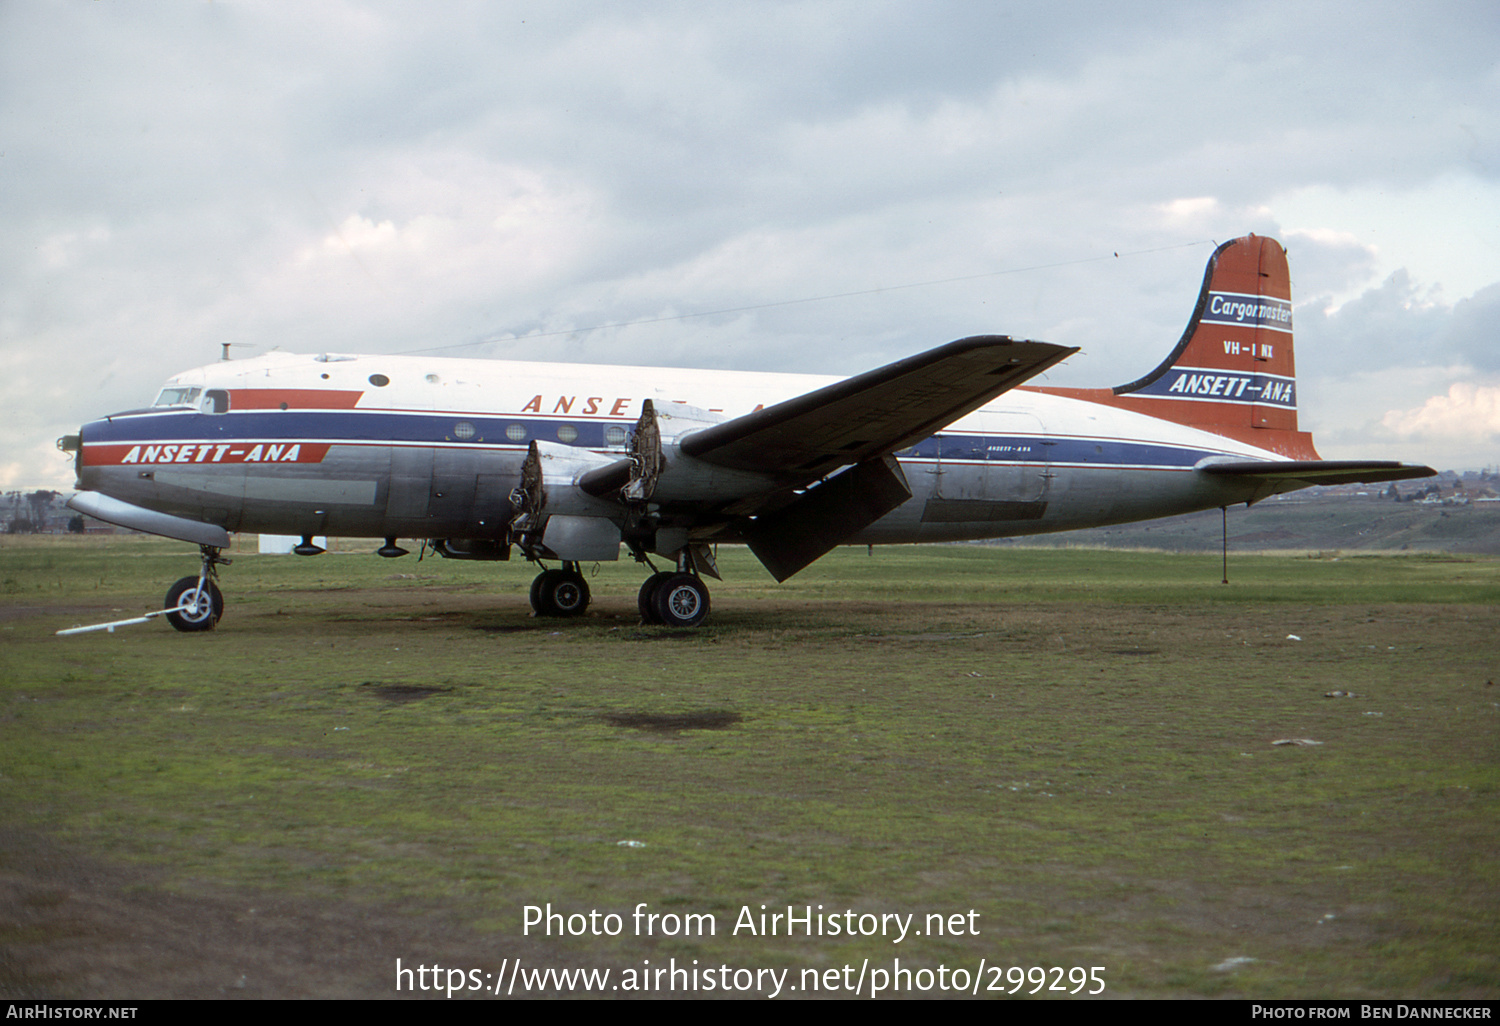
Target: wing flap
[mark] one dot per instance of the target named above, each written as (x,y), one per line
(875,413)
(800,533)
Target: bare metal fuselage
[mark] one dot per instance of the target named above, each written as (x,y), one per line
(430,448)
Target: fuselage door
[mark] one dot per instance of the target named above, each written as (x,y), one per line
(1008,462)
(1018,456)
(410,488)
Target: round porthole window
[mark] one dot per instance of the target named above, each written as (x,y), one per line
(614,435)
(515,432)
(567,433)
(379,380)
(463,431)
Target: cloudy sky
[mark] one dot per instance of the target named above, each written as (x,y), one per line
(502,179)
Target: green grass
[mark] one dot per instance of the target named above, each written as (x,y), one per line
(1075,744)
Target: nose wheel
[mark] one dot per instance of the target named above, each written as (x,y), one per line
(196,603)
(194,608)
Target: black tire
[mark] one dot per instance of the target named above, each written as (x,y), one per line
(647,599)
(559,593)
(203,612)
(566,593)
(681,601)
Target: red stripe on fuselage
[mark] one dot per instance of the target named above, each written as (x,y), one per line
(292,399)
(203,453)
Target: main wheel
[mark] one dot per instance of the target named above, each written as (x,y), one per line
(567,593)
(647,600)
(195,609)
(559,593)
(681,601)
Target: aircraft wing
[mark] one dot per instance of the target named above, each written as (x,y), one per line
(875,413)
(1320,472)
(863,417)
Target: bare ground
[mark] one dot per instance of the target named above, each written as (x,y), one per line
(76,926)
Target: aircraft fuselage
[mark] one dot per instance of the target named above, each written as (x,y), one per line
(374,446)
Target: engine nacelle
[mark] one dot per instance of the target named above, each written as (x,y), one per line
(687,479)
(557,518)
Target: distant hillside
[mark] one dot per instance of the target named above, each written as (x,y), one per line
(1326,522)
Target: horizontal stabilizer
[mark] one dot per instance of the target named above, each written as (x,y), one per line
(873,414)
(1321,472)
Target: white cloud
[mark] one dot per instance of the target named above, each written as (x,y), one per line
(62,250)
(1192,207)
(1467,414)
(377,178)
(1444,231)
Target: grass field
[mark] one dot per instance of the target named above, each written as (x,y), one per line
(394,759)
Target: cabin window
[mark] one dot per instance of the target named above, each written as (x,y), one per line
(567,433)
(463,431)
(614,435)
(515,432)
(176,396)
(379,380)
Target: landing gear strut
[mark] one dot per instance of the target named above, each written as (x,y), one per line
(196,602)
(560,592)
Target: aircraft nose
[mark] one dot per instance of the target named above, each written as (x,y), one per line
(73,445)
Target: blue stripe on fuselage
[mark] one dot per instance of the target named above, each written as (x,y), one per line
(439,429)
(344,426)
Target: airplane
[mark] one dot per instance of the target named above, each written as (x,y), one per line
(568,463)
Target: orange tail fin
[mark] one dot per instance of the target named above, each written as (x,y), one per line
(1232,372)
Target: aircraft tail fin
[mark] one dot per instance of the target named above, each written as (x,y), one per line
(1233,371)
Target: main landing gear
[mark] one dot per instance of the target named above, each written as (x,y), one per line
(196,602)
(672,599)
(560,592)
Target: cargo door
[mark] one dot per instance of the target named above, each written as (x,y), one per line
(1001,474)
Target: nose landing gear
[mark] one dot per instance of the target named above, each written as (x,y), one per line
(196,602)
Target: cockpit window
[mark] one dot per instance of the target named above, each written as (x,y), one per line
(173,396)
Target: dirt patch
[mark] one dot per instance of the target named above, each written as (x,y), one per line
(669,635)
(401,693)
(673,723)
(71,927)
(88,613)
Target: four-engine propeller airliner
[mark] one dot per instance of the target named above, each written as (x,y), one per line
(568,463)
